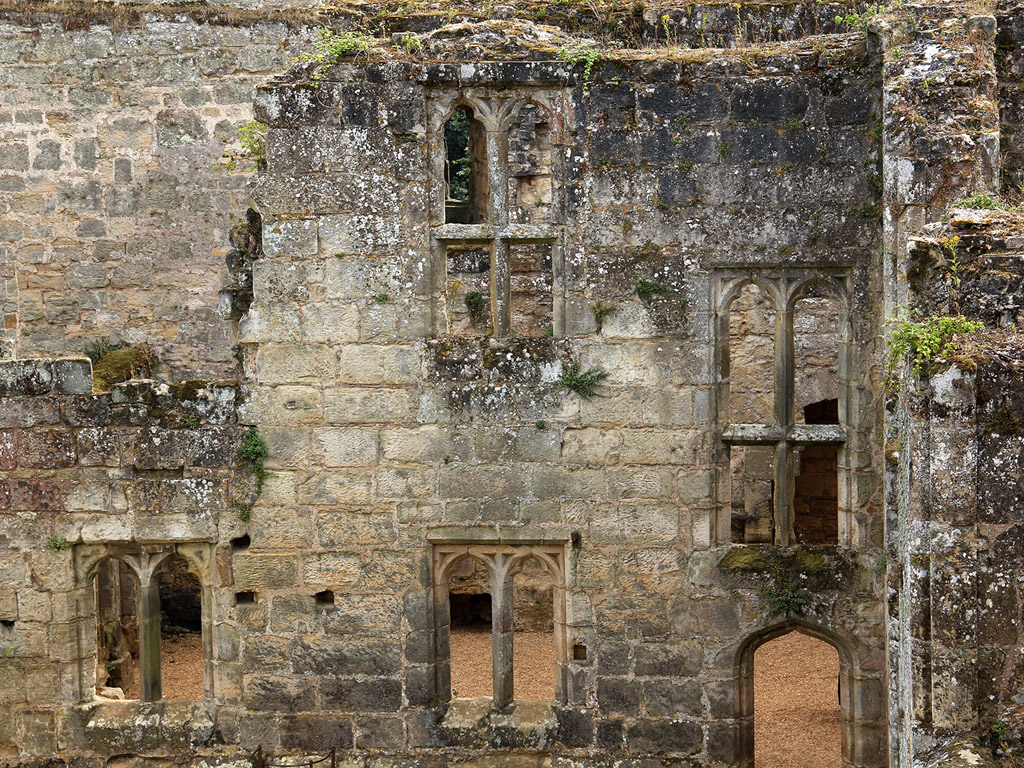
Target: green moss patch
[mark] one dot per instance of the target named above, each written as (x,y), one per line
(121,365)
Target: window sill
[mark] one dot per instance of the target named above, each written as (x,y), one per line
(523,725)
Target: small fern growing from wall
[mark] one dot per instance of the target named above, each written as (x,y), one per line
(647,290)
(253,454)
(783,592)
(583,383)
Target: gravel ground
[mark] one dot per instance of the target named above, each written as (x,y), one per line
(181,666)
(533,670)
(796,721)
(796,710)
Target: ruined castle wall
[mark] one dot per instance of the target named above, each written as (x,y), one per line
(118,204)
(82,474)
(386,429)
(113,132)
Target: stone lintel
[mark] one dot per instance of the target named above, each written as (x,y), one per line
(483,233)
(769,434)
(499,534)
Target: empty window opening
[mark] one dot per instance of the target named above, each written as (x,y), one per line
(579,652)
(245,598)
(816,320)
(534,662)
(750,367)
(181,631)
(470,643)
(117,632)
(816,488)
(530,160)
(796,704)
(468,291)
(324,598)
(241,543)
(752,493)
(531,288)
(465,169)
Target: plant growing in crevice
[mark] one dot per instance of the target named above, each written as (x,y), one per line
(329,47)
(411,42)
(647,290)
(922,341)
(252,135)
(57,544)
(783,592)
(253,454)
(476,306)
(583,52)
(601,311)
(583,383)
(981,201)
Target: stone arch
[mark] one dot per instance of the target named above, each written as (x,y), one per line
(145,562)
(110,584)
(501,560)
(861,694)
(835,286)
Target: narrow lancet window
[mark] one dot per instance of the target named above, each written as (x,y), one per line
(464,169)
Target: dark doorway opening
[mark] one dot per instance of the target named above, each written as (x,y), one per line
(816,487)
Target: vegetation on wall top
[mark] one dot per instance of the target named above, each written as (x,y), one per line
(918,343)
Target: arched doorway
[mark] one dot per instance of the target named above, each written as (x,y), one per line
(860,693)
(796,703)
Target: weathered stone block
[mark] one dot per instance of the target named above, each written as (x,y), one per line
(264,693)
(265,571)
(290,238)
(350,695)
(304,732)
(375,364)
(294,364)
(347,447)
(25,377)
(619,696)
(665,736)
(336,657)
(380,733)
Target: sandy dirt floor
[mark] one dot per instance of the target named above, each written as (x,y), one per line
(796,709)
(181,666)
(533,670)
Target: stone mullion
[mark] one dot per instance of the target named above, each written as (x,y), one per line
(497,217)
(149,640)
(784,363)
(501,631)
(501,288)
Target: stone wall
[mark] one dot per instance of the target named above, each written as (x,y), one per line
(115,143)
(112,156)
(82,474)
(628,200)
(384,425)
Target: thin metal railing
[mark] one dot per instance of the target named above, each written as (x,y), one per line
(259,761)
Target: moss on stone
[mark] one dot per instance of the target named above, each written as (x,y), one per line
(809,562)
(120,365)
(744,559)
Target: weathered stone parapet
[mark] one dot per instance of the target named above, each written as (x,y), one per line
(70,376)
